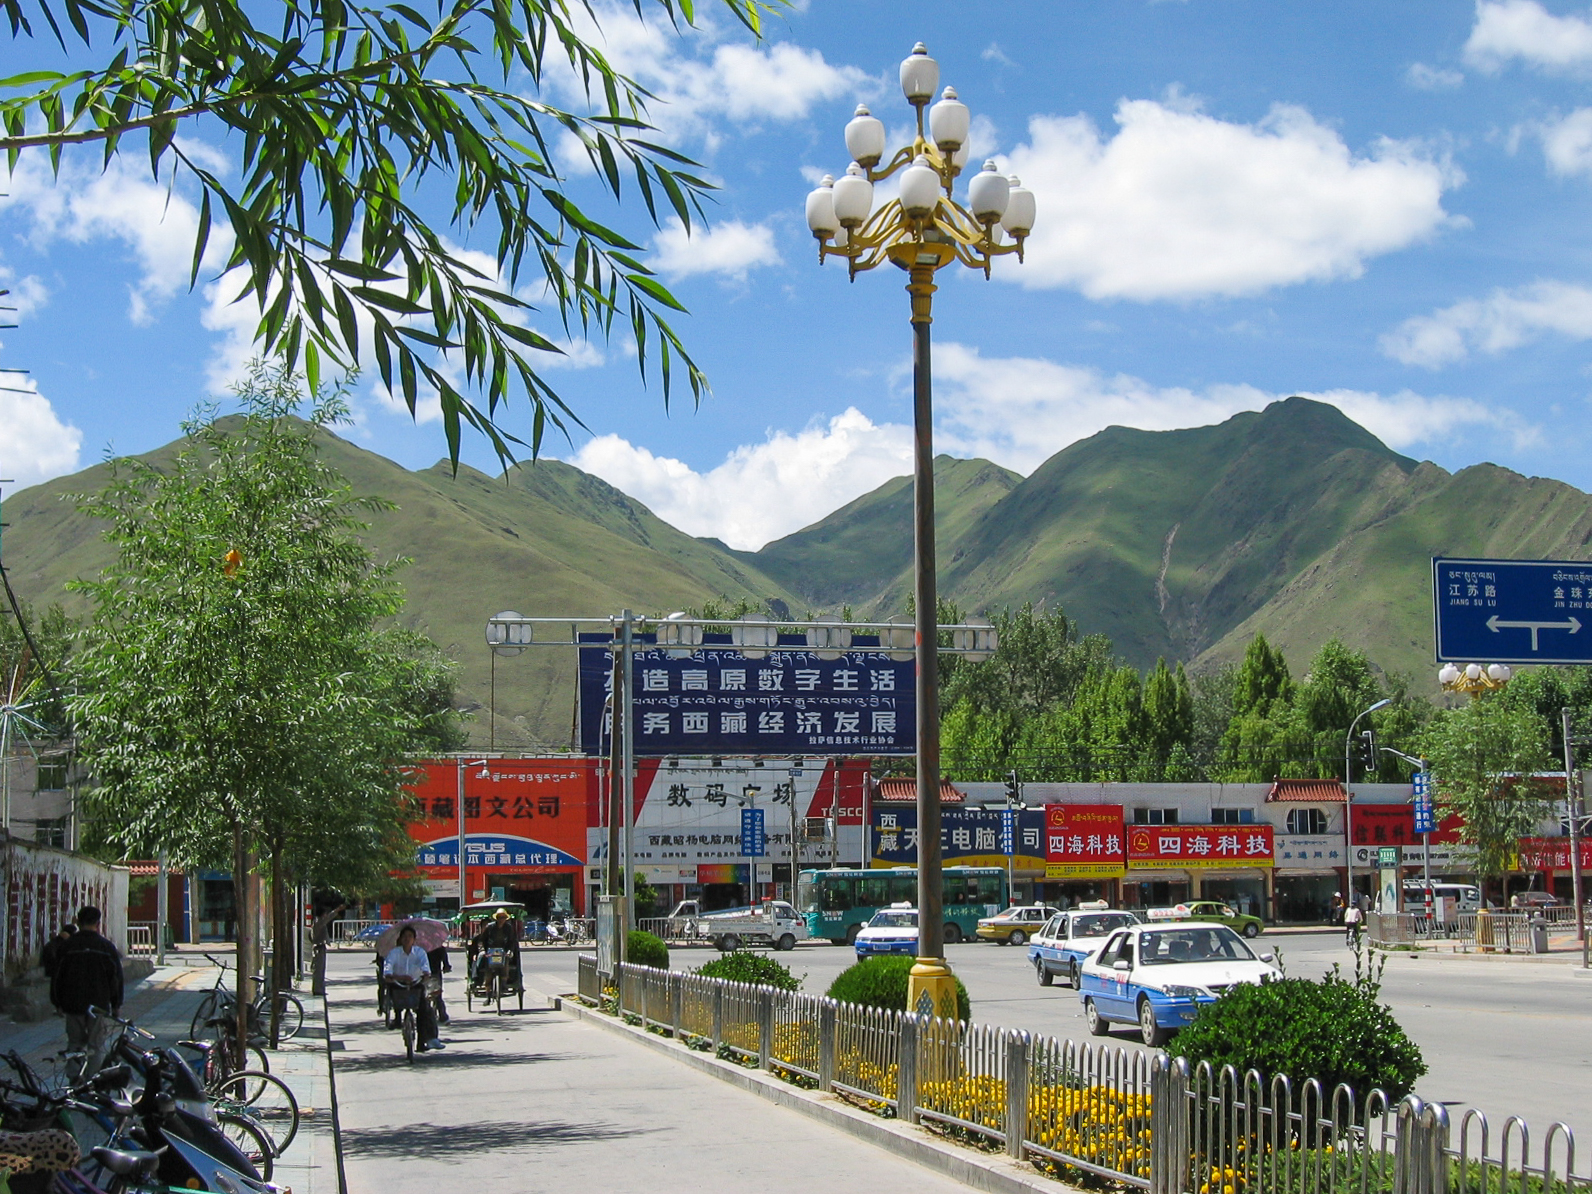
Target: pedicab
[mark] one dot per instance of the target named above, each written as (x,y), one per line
(429,935)
(494,968)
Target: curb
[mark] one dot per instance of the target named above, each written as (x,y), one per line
(995,1175)
(331,1084)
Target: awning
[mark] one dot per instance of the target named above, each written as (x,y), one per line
(905,791)
(1305,791)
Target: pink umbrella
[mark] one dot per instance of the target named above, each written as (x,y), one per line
(429,935)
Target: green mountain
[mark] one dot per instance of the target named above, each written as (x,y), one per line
(1293,521)
(546,540)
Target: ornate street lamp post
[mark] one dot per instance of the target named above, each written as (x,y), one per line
(1473,678)
(922,231)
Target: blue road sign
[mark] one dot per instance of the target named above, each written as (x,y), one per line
(1009,832)
(753,842)
(1512,611)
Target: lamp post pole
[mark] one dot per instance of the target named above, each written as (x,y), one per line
(922,231)
(1572,807)
(1348,797)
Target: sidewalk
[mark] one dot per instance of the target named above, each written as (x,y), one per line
(538,1101)
(164,1004)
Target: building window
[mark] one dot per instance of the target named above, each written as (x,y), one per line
(51,775)
(50,831)
(1307,821)
(1155,816)
(1232,816)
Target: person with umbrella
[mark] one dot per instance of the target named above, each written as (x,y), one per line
(405,970)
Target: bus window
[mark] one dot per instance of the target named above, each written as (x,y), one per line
(839,894)
(903,889)
(874,892)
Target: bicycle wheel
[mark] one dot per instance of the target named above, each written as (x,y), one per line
(409,1034)
(265,1099)
(251,1141)
(199,1027)
(289,1015)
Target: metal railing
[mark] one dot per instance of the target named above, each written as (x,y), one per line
(1150,1122)
(1502,932)
(140,937)
(345,932)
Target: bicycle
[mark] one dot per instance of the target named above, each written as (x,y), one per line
(403,1000)
(220,1002)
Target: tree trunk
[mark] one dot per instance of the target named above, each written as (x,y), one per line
(247,915)
(284,924)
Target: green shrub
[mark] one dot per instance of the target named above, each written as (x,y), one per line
(742,967)
(1334,1030)
(646,950)
(882,982)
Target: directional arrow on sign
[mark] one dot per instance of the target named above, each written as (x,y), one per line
(1495,624)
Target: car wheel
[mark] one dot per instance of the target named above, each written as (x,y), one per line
(729,943)
(1097,1022)
(1252,930)
(1073,980)
(953,933)
(1046,978)
(1150,1032)
(1018,937)
(786,943)
(851,934)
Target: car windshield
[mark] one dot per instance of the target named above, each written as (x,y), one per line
(1171,946)
(1098,924)
(894,919)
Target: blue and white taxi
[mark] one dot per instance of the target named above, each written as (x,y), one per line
(1158,976)
(893,930)
(1069,939)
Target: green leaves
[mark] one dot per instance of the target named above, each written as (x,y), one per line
(342,113)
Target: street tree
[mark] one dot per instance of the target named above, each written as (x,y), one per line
(342,126)
(240,692)
(1484,756)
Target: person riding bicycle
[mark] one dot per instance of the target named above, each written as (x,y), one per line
(405,972)
(502,934)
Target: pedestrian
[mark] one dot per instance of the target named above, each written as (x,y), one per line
(1352,919)
(88,976)
(50,955)
(440,966)
(405,971)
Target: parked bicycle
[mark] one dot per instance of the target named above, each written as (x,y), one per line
(221,1002)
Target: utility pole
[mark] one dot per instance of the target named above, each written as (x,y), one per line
(1572,805)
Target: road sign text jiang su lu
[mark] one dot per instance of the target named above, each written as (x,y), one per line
(1512,611)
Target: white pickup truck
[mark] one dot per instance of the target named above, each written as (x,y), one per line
(773,923)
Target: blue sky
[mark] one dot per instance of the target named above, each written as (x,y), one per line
(1385,206)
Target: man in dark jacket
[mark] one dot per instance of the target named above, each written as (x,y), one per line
(88,974)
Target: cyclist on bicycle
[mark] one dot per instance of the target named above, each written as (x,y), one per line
(502,934)
(406,970)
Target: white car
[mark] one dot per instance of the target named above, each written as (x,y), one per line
(1159,976)
(893,930)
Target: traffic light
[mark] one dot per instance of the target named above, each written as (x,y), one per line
(1368,740)
(1014,788)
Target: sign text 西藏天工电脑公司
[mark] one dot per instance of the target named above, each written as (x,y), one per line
(1084,841)
(716,701)
(1512,611)
(968,836)
(1176,847)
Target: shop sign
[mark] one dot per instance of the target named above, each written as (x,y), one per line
(1447,857)
(521,816)
(1083,841)
(968,837)
(1384,825)
(1184,847)
(1299,853)
(1552,854)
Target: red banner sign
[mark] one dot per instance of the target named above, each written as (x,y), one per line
(1083,841)
(1552,854)
(521,816)
(1184,846)
(1384,825)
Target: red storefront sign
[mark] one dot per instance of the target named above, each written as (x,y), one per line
(1552,854)
(1083,841)
(1179,847)
(1384,825)
(521,816)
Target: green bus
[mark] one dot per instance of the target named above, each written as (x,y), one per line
(837,903)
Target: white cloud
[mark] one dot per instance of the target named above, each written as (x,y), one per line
(728,249)
(1432,78)
(26,294)
(698,79)
(121,202)
(1180,205)
(1508,30)
(760,491)
(1567,143)
(34,444)
(1503,320)
(1017,411)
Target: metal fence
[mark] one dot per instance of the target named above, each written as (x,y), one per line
(140,937)
(1505,932)
(1147,1121)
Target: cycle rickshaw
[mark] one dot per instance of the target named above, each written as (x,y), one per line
(494,972)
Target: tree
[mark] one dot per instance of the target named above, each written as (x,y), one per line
(1483,756)
(341,116)
(238,692)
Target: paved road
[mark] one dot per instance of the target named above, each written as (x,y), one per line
(1508,1037)
(537,1101)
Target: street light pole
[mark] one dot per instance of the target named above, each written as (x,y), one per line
(1348,798)
(1572,806)
(922,231)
